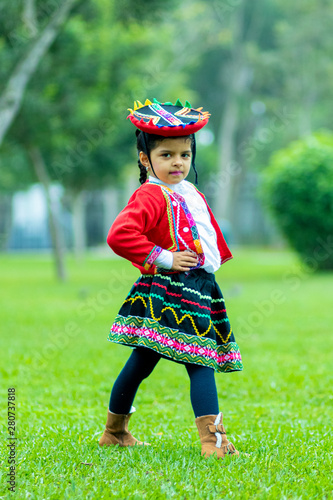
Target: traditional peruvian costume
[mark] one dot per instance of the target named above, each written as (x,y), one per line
(180,316)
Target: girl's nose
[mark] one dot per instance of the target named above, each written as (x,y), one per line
(177,160)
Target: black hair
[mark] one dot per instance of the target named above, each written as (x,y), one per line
(147,142)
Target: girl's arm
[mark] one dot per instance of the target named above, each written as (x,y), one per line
(128,234)
(134,234)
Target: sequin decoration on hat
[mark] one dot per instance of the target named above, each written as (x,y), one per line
(167,119)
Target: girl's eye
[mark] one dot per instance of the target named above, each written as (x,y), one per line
(186,155)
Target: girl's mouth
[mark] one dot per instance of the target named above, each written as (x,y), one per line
(178,172)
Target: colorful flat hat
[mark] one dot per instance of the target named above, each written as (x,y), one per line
(167,119)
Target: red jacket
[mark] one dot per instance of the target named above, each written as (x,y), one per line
(149,224)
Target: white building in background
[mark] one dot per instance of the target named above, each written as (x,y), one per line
(29,224)
(30,227)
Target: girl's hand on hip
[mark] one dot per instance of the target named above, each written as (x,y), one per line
(183,261)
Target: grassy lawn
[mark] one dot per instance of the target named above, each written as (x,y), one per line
(278,411)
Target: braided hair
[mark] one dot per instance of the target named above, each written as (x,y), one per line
(146,142)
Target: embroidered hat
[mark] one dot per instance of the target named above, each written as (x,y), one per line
(167,119)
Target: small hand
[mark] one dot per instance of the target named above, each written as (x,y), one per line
(183,261)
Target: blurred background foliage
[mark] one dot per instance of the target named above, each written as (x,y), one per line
(297,188)
(69,69)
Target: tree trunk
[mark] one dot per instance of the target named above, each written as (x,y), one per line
(55,228)
(110,207)
(132,183)
(226,174)
(229,172)
(305,114)
(6,210)
(79,224)
(29,17)
(11,98)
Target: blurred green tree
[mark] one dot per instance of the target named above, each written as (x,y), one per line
(28,60)
(25,39)
(70,127)
(297,188)
(265,77)
(264,68)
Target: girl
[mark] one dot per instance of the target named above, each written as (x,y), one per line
(175,310)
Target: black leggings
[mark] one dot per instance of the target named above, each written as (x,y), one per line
(140,365)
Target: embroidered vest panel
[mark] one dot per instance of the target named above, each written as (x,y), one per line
(176,204)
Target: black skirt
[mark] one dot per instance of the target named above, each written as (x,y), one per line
(182,316)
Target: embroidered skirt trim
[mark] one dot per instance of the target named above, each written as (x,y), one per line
(183,317)
(176,345)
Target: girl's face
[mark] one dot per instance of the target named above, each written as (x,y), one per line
(171,159)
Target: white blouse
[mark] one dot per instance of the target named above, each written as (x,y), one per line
(201,217)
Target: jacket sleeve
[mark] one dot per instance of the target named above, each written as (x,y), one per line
(128,234)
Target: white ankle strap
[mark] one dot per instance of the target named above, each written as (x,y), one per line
(218,435)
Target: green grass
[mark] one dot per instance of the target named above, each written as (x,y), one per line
(278,411)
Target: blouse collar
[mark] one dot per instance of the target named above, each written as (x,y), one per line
(173,187)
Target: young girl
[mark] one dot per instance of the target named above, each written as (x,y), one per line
(175,310)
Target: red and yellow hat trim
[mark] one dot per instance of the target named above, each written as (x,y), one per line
(167,119)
